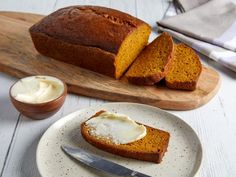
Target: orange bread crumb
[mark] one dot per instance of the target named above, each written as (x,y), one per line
(153,62)
(152,147)
(185,69)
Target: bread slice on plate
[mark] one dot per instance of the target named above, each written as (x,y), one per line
(151,147)
(185,69)
(153,62)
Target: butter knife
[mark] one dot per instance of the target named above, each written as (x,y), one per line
(100,163)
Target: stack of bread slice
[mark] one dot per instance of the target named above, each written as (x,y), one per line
(177,63)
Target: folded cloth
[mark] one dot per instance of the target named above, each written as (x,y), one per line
(209,28)
(190,4)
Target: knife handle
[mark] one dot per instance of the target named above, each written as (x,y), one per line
(137,174)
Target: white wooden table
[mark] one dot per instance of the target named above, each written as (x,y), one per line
(215,122)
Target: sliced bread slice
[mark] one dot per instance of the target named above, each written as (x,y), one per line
(153,62)
(185,69)
(152,147)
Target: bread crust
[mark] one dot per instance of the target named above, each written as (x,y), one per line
(84,56)
(154,78)
(126,150)
(101,27)
(182,85)
(146,80)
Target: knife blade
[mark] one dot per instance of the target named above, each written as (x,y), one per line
(100,163)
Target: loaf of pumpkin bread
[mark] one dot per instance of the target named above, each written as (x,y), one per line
(96,38)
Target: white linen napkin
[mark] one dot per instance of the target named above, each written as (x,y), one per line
(209,29)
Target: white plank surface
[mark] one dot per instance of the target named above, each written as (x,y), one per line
(38,7)
(124,6)
(21,161)
(8,118)
(214,123)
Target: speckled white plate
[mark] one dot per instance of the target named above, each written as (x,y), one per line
(183,157)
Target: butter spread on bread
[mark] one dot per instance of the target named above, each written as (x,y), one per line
(118,128)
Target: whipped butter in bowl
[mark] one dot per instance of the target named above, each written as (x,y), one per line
(38,97)
(37,89)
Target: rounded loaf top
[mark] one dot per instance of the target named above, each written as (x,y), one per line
(94,26)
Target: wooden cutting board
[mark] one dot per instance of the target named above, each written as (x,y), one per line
(19,58)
